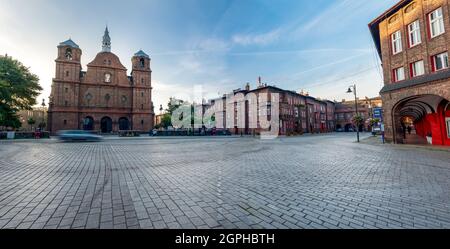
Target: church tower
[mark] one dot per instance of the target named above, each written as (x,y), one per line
(142,91)
(65,87)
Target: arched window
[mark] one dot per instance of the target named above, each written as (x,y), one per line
(142,62)
(142,80)
(68,54)
(107,97)
(67,73)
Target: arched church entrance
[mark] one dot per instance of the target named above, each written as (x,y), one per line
(106,125)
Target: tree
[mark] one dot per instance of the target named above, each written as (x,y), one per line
(358,120)
(31,122)
(166,120)
(18,90)
(9,118)
(374,121)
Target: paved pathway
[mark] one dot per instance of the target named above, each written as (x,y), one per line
(321,181)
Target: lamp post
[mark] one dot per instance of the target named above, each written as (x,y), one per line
(356,108)
(43,114)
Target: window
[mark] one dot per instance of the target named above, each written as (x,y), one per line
(88,97)
(107,77)
(67,73)
(399,74)
(68,54)
(66,103)
(142,122)
(436,20)
(396,42)
(440,61)
(142,94)
(142,62)
(417,69)
(142,80)
(414,34)
(65,122)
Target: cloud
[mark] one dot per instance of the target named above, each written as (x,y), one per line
(256,39)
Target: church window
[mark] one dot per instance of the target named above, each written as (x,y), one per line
(107,77)
(142,80)
(88,96)
(67,73)
(142,62)
(68,54)
(142,94)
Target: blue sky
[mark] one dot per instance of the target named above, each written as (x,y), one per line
(320,46)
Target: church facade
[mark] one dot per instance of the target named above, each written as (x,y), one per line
(103,98)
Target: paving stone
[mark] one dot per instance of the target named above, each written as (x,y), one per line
(313,181)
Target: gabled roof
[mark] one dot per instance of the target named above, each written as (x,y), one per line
(141,53)
(69,43)
(374,26)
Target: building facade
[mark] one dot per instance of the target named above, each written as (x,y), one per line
(298,112)
(346,110)
(413,40)
(103,98)
(38,114)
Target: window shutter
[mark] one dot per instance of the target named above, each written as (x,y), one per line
(411,72)
(433,64)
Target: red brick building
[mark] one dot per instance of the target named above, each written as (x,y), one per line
(103,98)
(298,113)
(413,42)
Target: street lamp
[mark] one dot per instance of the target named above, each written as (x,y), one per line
(356,108)
(43,115)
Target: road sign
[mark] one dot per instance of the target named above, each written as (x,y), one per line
(378,112)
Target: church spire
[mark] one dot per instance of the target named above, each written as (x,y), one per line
(106,41)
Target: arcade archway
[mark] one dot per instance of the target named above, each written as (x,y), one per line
(422,119)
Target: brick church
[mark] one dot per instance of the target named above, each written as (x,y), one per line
(103,98)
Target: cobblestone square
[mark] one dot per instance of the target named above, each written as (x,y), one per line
(313,181)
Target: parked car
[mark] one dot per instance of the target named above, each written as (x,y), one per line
(339,130)
(78,135)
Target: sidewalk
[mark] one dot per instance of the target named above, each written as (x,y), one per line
(377,141)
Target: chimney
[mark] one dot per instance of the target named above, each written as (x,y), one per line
(247,87)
